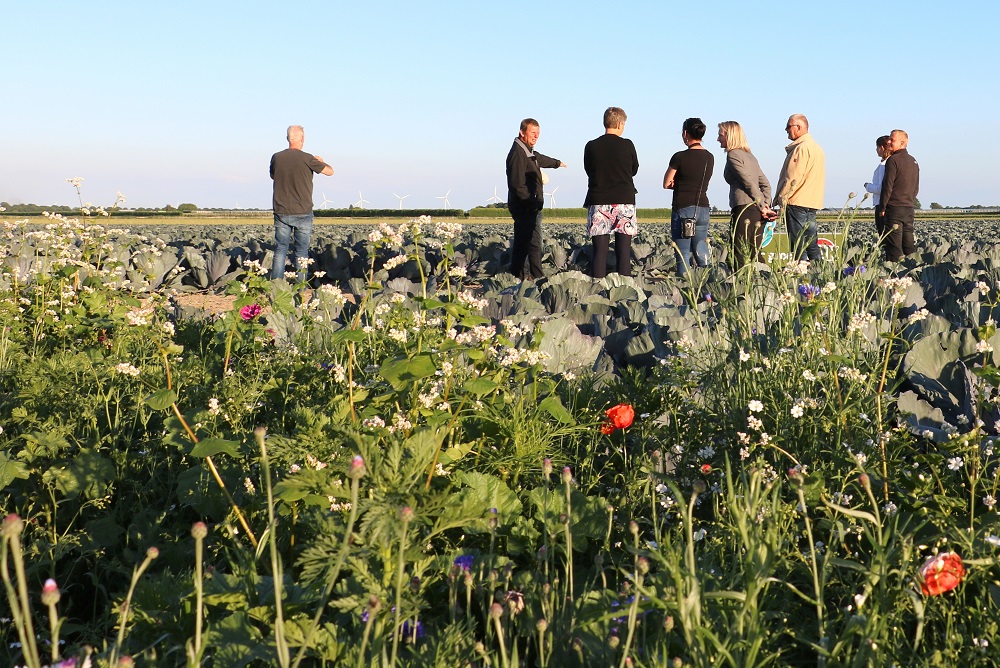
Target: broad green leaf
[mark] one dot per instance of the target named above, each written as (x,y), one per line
(554,407)
(348,335)
(480,386)
(88,474)
(161,399)
(401,370)
(10,470)
(213,446)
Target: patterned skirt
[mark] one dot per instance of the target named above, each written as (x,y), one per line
(611,219)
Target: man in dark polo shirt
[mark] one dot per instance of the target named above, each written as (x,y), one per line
(292,171)
(899,193)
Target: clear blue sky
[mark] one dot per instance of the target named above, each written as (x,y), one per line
(186,101)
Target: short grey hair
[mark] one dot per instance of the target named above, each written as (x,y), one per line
(297,130)
(801,119)
(614,117)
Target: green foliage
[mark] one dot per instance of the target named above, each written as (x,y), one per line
(436,480)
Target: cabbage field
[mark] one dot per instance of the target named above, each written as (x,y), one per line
(417,460)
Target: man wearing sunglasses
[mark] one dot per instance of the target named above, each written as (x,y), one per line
(800,188)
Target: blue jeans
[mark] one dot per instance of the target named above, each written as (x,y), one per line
(285,226)
(699,242)
(801,224)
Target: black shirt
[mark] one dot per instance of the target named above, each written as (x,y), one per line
(694,171)
(610,162)
(901,181)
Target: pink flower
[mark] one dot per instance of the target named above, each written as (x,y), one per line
(250,311)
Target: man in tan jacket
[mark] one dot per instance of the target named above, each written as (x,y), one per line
(800,188)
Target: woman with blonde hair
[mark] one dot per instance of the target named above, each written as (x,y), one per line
(749,193)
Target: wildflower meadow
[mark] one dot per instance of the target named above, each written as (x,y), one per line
(432,463)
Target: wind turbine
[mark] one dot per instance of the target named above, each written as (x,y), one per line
(361,201)
(552,197)
(325,202)
(400,198)
(495,199)
(447,204)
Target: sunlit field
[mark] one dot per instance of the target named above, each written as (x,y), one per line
(414,459)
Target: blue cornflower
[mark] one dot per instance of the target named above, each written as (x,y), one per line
(464,562)
(809,291)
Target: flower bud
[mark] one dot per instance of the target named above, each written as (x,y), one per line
(199,530)
(546,467)
(567,475)
(865,481)
(12,526)
(50,592)
(406,514)
(642,565)
(125,662)
(542,625)
(152,552)
(699,486)
(577,645)
(356,469)
(614,642)
(668,623)
(374,603)
(496,611)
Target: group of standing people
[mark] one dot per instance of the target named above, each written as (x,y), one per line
(611,164)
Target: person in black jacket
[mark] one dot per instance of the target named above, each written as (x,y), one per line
(610,162)
(525,198)
(900,186)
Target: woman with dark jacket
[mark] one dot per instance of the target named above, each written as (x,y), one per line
(749,193)
(610,162)
(688,176)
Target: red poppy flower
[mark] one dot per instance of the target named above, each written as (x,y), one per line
(706,468)
(941,573)
(619,417)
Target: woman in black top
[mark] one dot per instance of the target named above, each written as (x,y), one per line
(688,176)
(610,162)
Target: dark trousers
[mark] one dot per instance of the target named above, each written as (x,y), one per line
(748,233)
(527,244)
(899,232)
(623,254)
